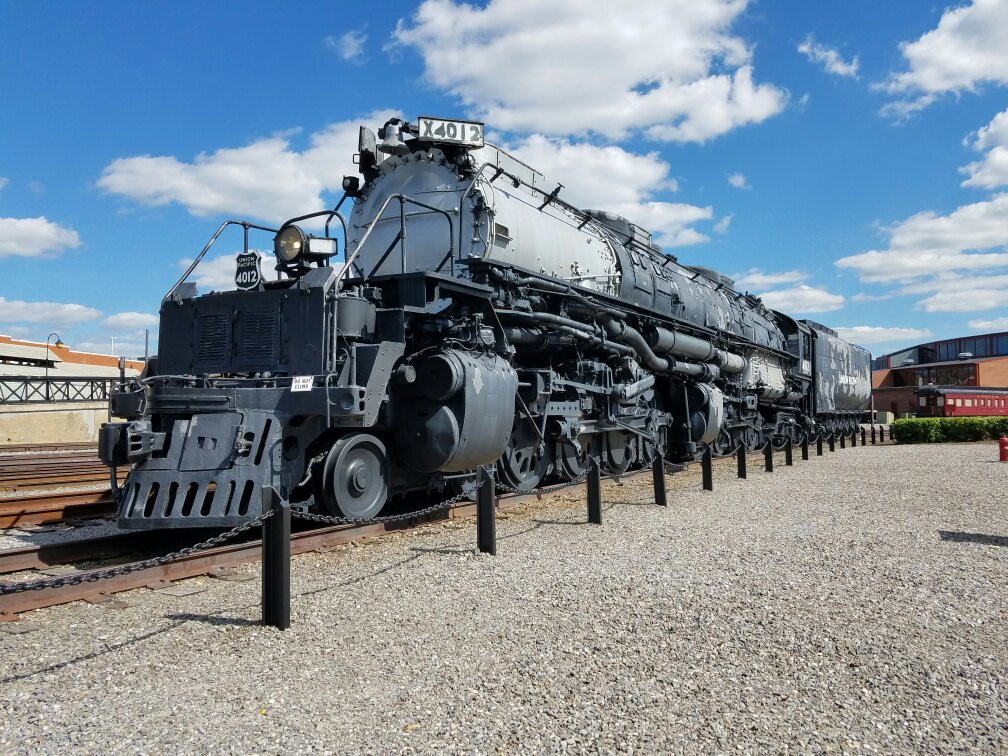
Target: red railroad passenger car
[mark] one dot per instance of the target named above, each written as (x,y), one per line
(961,401)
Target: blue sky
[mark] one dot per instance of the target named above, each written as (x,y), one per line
(847,161)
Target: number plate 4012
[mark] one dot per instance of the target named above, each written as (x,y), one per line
(469,133)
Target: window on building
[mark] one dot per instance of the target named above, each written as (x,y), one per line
(969,402)
(940,401)
(1001,345)
(981,348)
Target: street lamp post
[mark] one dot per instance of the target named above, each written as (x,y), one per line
(59,343)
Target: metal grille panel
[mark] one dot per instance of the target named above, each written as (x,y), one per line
(258,335)
(212,344)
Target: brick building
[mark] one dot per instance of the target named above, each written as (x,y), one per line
(967,361)
(32,358)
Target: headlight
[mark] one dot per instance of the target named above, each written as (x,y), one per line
(289,244)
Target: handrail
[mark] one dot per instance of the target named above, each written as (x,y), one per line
(206,248)
(39,389)
(401,238)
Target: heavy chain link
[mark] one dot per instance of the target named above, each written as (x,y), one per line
(402,517)
(540,492)
(125,569)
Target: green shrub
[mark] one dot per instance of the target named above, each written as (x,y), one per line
(930,430)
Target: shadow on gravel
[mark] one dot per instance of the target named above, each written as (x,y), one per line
(213,619)
(537,524)
(957,536)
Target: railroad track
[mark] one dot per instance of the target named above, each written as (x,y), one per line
(58,506)
(22,448)
(21,472)
(26,481)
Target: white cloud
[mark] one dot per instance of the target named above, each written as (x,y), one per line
(4,181)
(350,46)
(723,224)
(829,57)
(16,331)
(965,300)
(610,178)
(928,243)
(992,170)
(49,313)
(125,348)
(217,273)
(954,292)
(130,321)
(671,68)
(968,48)
(802,298)
(266,179)
(31,237)
(756,280)
(738,180)
(880,335)
(864,297)
(996,324)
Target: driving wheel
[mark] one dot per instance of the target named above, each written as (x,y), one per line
(526,461)
(571,463)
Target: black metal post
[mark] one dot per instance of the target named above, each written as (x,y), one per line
(768,456)
(658,471)
(832,443)
(276,561)
(741,455)
(864,437)
(843,441)
(818,446)
(873,435)
(788,454)
(881,435)
(804,447)
(708,472)
(594,492)
(853,439)
(486,503)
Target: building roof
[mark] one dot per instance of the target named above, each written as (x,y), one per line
(946,363)
(26,352)
(66,370)
(942,341)
(929,389)
(73,362)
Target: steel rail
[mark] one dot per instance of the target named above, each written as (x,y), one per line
(38,509)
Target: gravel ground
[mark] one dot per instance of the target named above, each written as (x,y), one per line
(853,602)
(57,532)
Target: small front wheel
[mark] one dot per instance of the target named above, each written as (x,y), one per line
(356,477)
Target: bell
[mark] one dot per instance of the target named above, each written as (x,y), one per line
(392,144)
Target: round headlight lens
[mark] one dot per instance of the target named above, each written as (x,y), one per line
(290,243)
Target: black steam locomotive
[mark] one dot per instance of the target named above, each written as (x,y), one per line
(474,318)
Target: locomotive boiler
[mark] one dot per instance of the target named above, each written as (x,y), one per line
(472,317)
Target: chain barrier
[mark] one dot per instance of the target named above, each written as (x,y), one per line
(402,517)
(540,492)
(125,569)
(220,539)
